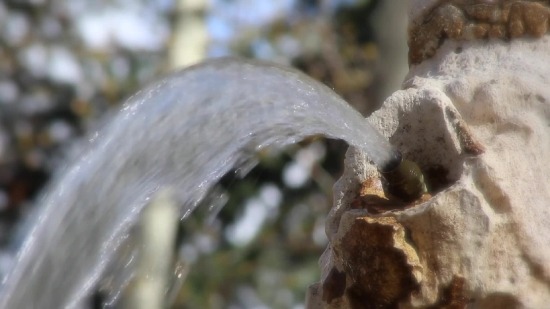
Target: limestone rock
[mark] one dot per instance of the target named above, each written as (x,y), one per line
(476,117)
(434,22)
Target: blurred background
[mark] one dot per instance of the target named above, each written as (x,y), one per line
(64,64)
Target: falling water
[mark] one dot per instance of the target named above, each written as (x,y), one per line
(185,132)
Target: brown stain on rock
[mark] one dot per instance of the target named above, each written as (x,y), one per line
(372,197)
(453,296)
(382,267)
(334,285)
(475,20)
(469,144)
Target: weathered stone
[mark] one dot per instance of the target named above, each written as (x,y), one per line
(535,17)
(476,118)
(515,20)
(484,12)
(452,20)
(383,268)
(475,31)
(497,32)
(434,22)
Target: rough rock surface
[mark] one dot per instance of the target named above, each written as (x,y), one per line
(476,118)
(465,20)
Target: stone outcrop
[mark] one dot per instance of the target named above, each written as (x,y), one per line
(475,115)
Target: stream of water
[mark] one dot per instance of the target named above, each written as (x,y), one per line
(185,132)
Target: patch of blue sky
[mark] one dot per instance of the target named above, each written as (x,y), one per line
(251,12)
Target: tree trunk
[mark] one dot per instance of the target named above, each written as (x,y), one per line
(475,115)
(190,36)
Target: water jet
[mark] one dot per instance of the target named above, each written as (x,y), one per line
(184,131)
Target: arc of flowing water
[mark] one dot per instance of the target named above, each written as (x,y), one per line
(184,131)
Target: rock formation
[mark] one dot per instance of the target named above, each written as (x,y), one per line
(474,113)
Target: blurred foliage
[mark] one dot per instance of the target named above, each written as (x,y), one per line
(44,110)
(274,270)
(53,87)
(279,263)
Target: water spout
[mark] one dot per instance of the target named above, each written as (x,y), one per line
(184,131)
